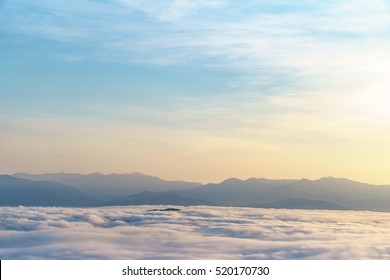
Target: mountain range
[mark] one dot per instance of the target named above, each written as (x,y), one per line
(15,191)
(61,189)
(112,186)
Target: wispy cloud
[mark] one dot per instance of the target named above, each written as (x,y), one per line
(270,48)
(303,79)
(171,10)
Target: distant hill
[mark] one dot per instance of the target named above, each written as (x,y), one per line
(350,194)
(238,192)
(15,192)
(137,189)
(354,195)
(108,187)
(302,203)
(156,198)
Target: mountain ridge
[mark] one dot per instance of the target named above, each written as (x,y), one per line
(15,192)
(114,185)
(331,191)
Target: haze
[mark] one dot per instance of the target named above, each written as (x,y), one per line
(196,90)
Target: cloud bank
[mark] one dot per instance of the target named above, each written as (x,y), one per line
(193,233)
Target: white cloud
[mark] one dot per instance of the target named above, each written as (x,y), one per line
(170,10)
(335,47)
(193,233)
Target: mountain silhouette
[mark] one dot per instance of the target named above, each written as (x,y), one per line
(344,192)
(16,192)
(137,189)
(108,187)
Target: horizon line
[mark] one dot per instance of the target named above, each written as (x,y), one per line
(191,181)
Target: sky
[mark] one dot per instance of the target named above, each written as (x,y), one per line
(196,90)
(197,232)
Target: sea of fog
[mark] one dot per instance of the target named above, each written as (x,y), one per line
(198,232)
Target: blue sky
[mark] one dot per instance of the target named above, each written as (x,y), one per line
(197,90)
